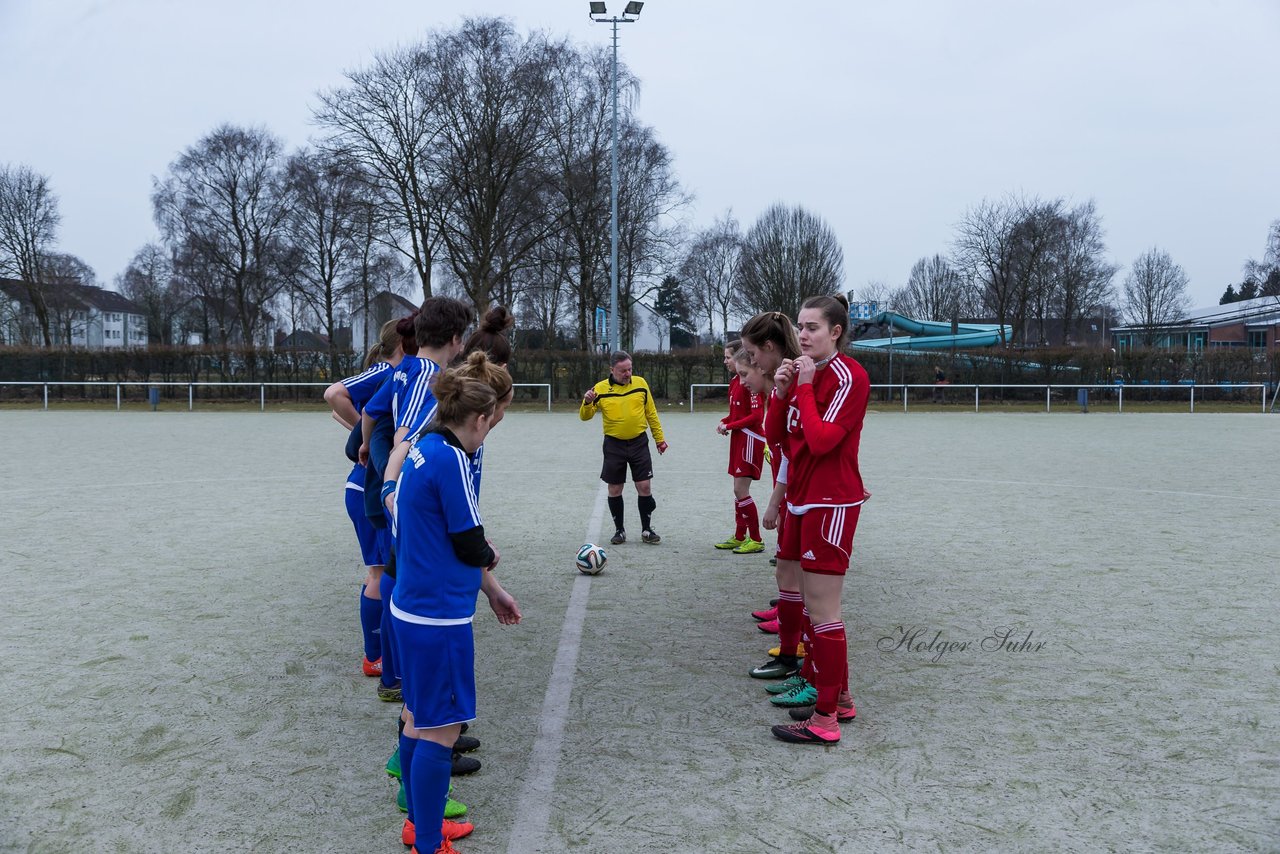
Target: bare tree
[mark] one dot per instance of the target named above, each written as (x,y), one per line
(64,274)
(223,206)
(1037,239)
(1265,274)
(1155,293)
(788,255)
(877,292)
(28,223)
(710,272)
(985,254)
(149,281)
(384,122)
(934,291)
(492,92)
(321,229)
(544,287)
(1084,277)
(649,199)
(580,173)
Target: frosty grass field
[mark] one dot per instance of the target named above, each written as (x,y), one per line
(1062,635)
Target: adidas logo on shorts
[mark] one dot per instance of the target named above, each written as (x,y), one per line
(809,555)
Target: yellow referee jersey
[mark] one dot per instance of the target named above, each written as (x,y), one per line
(625,409)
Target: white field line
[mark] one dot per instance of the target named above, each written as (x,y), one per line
(533,805)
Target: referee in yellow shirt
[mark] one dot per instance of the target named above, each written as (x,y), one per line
(626,406)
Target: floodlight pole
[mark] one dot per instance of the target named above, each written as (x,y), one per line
(614,318)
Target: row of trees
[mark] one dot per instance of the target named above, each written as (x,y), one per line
(1031,263)
(476,164)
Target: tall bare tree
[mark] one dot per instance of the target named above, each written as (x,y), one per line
(710,272)
(984,252)
(1084,276)
(384,121)
(1155,293)
(934,291)
(223,204)
(788,255)
(492,90)
(321,228)
(149,281)
(649,199)
(580,173)
(28,224)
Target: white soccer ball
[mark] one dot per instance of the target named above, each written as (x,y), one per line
(591,559)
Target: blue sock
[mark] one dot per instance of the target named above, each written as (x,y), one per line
(371,625)
(389,671)
(432,767)
(407,748)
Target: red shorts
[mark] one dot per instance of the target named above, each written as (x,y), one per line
(746,455)
(821,539)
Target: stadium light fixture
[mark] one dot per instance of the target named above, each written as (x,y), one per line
(633,9)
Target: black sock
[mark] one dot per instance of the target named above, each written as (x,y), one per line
(615,510)
(647,505)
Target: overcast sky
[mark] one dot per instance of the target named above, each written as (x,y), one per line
(888,119)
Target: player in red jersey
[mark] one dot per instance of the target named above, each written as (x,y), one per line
(743,425)
(826,394)
(770,340)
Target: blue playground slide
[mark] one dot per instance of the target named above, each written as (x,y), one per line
(933,334)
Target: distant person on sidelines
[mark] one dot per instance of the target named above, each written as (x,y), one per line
(939,380)
(743,425)
(626,407)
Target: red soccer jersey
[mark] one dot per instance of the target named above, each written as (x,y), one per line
(746,410)
(824,426)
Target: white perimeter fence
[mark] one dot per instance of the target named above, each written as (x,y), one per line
(1069,395)
(153,397)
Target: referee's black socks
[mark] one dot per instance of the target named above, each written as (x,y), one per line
(647,505)
(615,510)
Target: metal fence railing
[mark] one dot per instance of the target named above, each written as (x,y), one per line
(122,388)
(1064,395)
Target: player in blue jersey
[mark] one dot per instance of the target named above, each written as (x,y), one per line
(401,403)
(444,561)
(347,399)
(491,339)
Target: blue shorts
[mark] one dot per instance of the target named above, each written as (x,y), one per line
(437,672)
(373,541)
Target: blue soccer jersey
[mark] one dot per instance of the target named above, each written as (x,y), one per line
(364,385)
(407,397)
(435,499)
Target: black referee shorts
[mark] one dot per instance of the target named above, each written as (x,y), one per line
(619,453)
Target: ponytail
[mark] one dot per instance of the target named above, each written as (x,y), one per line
(773,327)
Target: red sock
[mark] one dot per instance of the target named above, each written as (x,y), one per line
(750,517)
(739,521)
(806,634)
(790,618)
(830,656)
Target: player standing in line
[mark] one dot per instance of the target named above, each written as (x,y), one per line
(346,399)
(743,425)
(491,339)
(770,341)
(761,383)
(444,561)
(399,407)
(626,405)
(826,394)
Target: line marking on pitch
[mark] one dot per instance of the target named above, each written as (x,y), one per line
(533,805)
